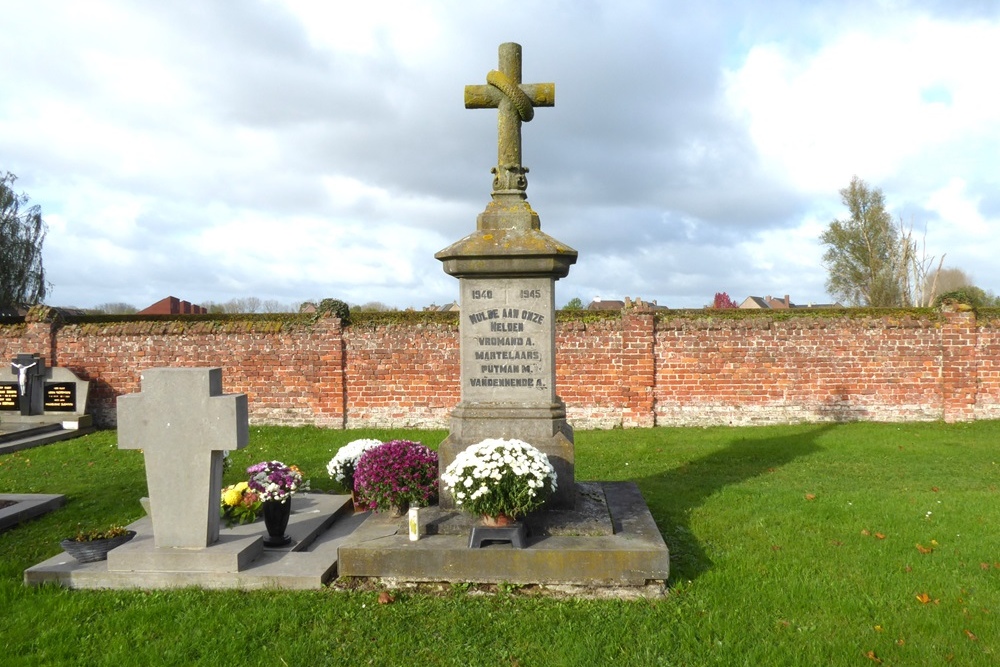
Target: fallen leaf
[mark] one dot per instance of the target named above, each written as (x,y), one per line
(984,566)
(775,547)
(385,597)
(864,531)
(878,628)
(874,658)
(900,642)
(880,536)
(908,568)
(836,543)
(971,636)
(924,550)
(934,543)
(924,598)
(810,496)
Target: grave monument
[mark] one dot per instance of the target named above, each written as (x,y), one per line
(30,371)
(507,270)
(183,422)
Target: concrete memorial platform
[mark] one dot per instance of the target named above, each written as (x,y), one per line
(613,543)
(318,525)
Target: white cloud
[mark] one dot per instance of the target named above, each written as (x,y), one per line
(868,102)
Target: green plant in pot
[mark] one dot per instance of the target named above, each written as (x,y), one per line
(94,545)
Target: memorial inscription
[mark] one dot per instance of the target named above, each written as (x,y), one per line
(506,329)
(8,396)
(60,397)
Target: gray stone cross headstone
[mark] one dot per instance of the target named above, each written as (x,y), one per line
(183,422)
(515,102)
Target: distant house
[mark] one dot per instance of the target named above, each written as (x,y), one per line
(607,304)
(452,307)
(173,306)
(767,302)
(770,303)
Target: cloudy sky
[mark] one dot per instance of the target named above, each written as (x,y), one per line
(300,149)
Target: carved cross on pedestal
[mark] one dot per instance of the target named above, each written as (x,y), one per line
(516,102)
(183,422)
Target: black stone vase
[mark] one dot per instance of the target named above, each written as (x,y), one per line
(276,515)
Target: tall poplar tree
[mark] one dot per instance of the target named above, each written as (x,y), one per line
(865,258)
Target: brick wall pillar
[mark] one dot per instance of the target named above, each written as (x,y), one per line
(959,377)
(330,397)
(638,371)
(39,337)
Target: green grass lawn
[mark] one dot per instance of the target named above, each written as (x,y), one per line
(846,544)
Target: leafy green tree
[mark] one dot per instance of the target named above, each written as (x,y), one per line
(971,295)
(22,232)
(867,260)
(574,304)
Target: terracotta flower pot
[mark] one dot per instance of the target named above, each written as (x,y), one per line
(498,520)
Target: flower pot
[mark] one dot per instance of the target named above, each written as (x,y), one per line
(276,515)
(498,520)
(359,504)
(94,550)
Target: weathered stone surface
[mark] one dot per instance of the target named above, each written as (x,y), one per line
(633,555)
(183,423)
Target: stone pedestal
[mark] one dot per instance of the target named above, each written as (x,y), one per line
(507,270)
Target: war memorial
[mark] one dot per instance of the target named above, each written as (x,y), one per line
(591,534)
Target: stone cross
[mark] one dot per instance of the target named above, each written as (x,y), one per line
(183,422)
(516,102)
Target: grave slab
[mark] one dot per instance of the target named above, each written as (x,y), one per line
(318,525)
(25,506)
(634,555)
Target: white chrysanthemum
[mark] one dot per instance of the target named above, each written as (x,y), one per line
(343,462)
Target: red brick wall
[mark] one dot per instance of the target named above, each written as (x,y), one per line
(639,369)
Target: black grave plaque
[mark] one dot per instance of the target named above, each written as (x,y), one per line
(8,396)
(60,397)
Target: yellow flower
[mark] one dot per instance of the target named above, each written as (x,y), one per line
(242,486)
(232,497)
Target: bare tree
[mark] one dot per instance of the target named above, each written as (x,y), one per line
(275,306)
(918,283)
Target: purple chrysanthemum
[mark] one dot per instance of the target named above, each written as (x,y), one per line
(395,473)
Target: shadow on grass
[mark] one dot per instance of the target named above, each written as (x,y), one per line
(673,495)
